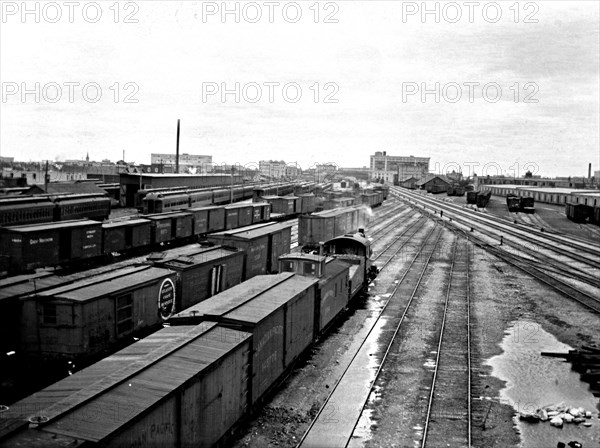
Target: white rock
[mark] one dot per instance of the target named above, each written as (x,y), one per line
(588,414)
(568,418)
(552,414)
(556,421)
(542,414)
(575,412)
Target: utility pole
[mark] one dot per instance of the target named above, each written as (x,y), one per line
(231,190)
(177,150)
(46,178)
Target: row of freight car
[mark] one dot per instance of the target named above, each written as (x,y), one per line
(18,210)
(582,213)
(478,198)
(33,246)
(520,204)
(81,314)
(164,200)
(191,382)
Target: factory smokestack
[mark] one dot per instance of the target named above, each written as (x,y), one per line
(177,150)
(589,171)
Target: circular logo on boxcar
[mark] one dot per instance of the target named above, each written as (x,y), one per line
(166,299)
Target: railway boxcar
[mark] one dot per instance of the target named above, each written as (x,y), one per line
(279,312)
(596,219)
(166,227)
(194,404)
(245,214)
(513,203)
(123,235)
(49,244)
(26,210)
(202,271)
(578,212)
(261,243)
(483,199)
(261,213)
(284,205)
(326,225)
(527,204)
(92,315)
(208,219)
(307,201)
(472,197)
(333,288)
(81,206)
(231,217)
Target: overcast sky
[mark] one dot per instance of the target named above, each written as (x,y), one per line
(360,69)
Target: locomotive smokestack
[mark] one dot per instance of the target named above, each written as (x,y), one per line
(177,150)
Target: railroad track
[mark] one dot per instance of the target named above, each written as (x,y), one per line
(349,396)
(572,248)
(448,416)
(589,300)
(554,258)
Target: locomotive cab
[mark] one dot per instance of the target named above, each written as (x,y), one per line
(356,250)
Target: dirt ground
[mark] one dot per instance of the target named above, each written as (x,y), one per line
(500,295)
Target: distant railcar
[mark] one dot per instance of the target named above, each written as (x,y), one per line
(18,210)
(578,212)
(513,203)
(472,197)
(483,199)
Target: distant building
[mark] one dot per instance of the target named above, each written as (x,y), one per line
(434,183)
(188,163)
(274,169)
(392,168)
(7,159)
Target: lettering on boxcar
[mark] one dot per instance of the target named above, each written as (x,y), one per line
(166,299)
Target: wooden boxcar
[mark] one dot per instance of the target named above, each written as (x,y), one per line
(325,225)
(244,215)
(261,213)
(123,235)
(49,244)
(261,243)
(308,203)
(208,219)
(92,315)
(182,386)
(279,312)
(203,272)
(283,205)
(578,212)
(513,203)
(472,197)
(169,226)
(333,287)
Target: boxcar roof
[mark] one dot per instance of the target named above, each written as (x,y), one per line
(236,296)
(52,225)
(130,222)
(188,250)
(263,305)
(167,215)
(119,388)
(184,261)
(105,284)
(254,231)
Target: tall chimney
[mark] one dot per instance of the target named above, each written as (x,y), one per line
(589,171)
(177,150)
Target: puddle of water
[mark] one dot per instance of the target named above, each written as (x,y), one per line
(363,430)
(534,381)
